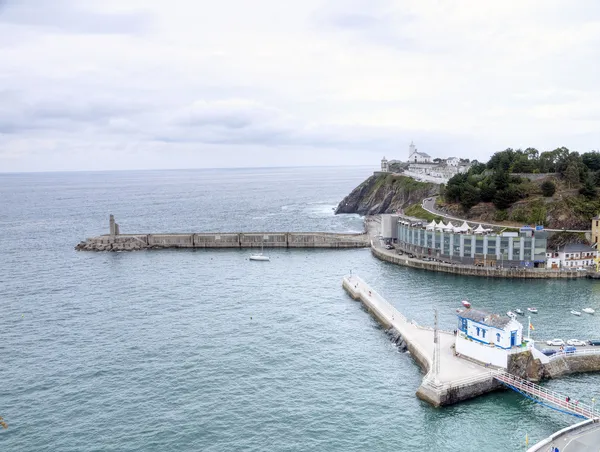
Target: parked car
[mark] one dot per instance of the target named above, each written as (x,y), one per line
(576,342)
(570,349)
(549,351)
(389,247)
(555,342)
(595,342)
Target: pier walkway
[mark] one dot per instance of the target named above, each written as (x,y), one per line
(454,378)
(547,397)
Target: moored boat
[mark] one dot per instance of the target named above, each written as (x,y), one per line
(532,310)
(511,314)
(518,311)
(466,304)
(588,310)
(259,257)
(574,312)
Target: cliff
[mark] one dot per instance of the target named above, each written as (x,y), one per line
(385,193)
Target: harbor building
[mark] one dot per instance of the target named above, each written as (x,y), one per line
(573,255)
(488,338)
(480,247)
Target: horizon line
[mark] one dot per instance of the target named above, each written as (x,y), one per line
(180,169)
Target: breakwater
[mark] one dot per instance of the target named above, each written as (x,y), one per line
(453,379)
(115,241)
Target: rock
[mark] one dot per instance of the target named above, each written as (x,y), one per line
(386,193)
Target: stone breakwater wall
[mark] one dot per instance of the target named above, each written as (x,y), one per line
(133,242)
(570,364)
(488,272)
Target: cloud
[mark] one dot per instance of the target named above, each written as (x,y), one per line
(71,16)
(99,85)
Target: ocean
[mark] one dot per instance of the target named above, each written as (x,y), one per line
(195,350)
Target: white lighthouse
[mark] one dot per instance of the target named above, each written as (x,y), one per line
(384,165)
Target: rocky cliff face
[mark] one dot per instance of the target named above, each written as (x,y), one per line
(385,193)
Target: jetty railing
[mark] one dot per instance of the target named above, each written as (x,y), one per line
(564,354)
(547,397)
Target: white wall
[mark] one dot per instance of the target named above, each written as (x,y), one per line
(490,335)
(481,352)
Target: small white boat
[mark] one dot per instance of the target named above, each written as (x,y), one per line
(518,311)
(588,310)
(259,257)
(574,312)
(532,310)
(466,304)
(511,314)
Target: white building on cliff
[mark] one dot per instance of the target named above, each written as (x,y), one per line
(439,171)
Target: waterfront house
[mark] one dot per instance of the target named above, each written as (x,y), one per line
(488,338)
(576,255)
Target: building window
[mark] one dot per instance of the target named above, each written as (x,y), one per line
(478,329)
(497,337)
(483,332)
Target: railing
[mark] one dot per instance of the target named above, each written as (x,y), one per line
(575,353)
(546,396)
(466,381)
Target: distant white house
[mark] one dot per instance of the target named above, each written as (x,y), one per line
(453,161)
(487,338)
(574,255)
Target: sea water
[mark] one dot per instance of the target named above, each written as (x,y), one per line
(195,350)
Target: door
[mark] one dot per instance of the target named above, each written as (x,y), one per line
(513,338)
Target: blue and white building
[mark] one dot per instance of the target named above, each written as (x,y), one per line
(488,338)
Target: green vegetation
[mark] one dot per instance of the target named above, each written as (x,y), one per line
(496,181)
(417,211)
(548,188)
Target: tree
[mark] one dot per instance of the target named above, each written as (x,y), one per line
(501,180)
(591,160)
(504,198)
(572,174)
(488,191)
(548,188)
(588,190)
(469,197)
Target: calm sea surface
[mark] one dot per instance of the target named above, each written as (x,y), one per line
(207,351)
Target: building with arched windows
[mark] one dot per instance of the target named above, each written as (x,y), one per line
(488,338)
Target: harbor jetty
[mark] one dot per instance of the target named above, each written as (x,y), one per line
(452,377)
(448,378)
(115,241)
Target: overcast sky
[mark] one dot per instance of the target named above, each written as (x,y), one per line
(135,84)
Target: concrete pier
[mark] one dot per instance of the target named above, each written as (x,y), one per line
(115,241)
(457,379)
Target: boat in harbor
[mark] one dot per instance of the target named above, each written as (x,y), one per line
(466,304)
(259,256)
(518,311)
(511,314)
(588,310)
(574,312)
(532,310)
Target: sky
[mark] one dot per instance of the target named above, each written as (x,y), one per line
(149,84)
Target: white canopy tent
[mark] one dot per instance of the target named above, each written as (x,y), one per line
(431,226)
(465,227)
(449,227)
(479,230)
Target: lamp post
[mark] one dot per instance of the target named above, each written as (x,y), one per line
(593,405)
(502,258)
